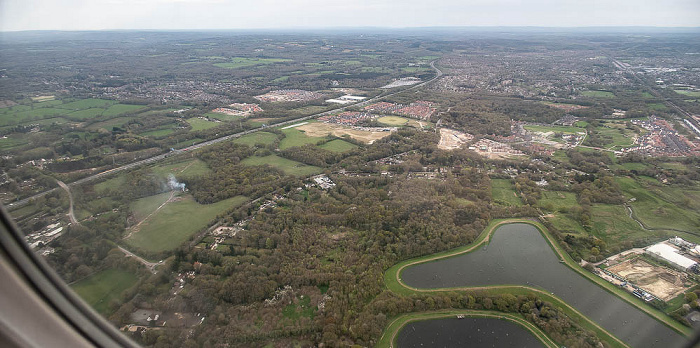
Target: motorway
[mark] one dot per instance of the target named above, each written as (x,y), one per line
(20,203)
(695,125)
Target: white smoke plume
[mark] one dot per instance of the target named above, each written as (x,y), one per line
(174,184)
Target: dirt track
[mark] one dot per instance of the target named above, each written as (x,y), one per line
(70,214)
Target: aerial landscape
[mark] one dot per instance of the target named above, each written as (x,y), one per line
(443,186)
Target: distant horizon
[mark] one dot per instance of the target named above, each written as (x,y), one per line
(88,15)
(626,28)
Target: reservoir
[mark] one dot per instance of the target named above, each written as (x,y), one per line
(467,332)
(519,255)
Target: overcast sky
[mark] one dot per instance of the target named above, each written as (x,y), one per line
(248,14)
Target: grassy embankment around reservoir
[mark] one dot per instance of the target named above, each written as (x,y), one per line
(394,283)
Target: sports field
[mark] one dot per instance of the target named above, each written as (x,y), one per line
(392,121)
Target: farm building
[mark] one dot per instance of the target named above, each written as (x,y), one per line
(670,254)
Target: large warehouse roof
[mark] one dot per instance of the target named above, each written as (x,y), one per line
(670,254)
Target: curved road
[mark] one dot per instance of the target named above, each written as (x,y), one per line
(150,265)
(70,214)
(17,204)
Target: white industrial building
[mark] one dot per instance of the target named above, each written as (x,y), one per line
(670,254)
(346,99)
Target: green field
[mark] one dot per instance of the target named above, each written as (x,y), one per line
(612,224)
(12,141)
(338,145)
(143,207)
(503,192)
(111,123)
(222,117)
(120,109)
(103,287)
(163,130)
(663,207)
(112,184)
(598,94)
(40,113)
(280,79)
(630,166)
(566,224)
(295,137)
(175,222)
(555,129)
(621,137)
(553,201)
(303,308)
(87,104)
(263,138)
(288,166)
(687,92)
(657,106)
(393,120)
(200,124)
(158,132)
(85,114)
(49,111)
(14,115)
(673,165)
(242,62)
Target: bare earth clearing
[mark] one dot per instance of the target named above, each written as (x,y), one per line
(323,129)
(451,139)
(662,282)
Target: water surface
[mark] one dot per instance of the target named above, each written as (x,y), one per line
(467,332)
(519,255)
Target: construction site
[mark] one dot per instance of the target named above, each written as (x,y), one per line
(365,134)
(662,282)
(451,139)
